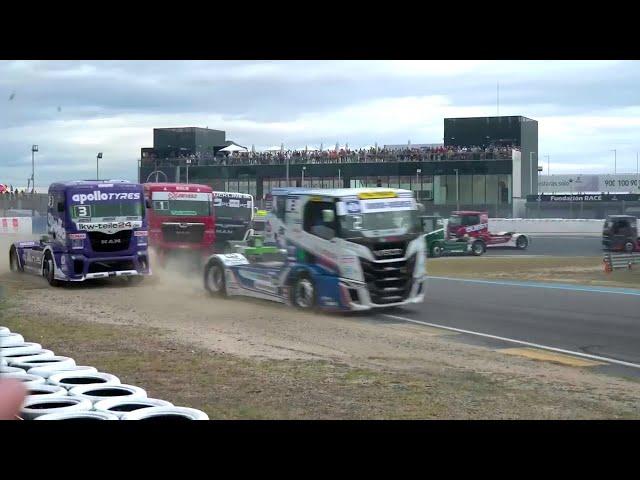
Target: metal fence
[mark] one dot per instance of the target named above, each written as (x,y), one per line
(23,205)
(616,261)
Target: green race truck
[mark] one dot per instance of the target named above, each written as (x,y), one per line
(438,245)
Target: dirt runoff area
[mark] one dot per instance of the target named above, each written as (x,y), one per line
(245,359)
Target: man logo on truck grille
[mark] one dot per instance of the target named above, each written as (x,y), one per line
(388,253)
(111,241)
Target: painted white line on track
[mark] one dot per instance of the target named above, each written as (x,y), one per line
(519,342)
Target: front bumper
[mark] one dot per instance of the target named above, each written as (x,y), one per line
(78,268)
(355,295)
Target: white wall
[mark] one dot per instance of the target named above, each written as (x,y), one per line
(546,225)
(15,225)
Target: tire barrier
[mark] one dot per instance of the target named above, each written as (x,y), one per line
(56,360)
(166,413)
(46,391)
(48,370)
(70,380)
(26,379)
(11,340)
(58,389)
(41,354)
(121,407)
(95,393)
(34,407)
(6,369)
(87,415)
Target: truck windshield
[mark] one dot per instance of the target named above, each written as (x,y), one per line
(105,210)
(190,208)
(464,220)
(380,223)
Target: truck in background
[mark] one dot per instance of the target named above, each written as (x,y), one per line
(620,234)
(96,229)
(344,250)
(472,224)
(181,218)
(437,245)
(234,214)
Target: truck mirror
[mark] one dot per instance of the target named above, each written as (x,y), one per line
(147,203)
(60,207)
(328,216)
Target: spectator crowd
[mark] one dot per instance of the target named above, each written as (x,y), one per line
(344,155)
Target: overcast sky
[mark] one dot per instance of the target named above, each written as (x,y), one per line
(74,109)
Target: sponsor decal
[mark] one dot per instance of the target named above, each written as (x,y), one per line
(182,196)
(353,206)
(383,205)
(375,195)
(94,227)
(98,196)
(475,228)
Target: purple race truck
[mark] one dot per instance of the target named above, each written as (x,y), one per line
(96,229)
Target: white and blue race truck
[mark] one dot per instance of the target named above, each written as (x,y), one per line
(96,229)
(343,250)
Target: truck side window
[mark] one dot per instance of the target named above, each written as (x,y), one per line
(314,223)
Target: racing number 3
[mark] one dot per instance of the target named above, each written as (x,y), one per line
(83,211)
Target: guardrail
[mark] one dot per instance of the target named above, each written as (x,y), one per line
(615,261)
(547,225)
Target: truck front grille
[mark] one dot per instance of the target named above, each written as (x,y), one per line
(104,242)
(388,282)
(183,233)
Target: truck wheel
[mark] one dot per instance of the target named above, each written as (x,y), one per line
(478,248)
(436,251)
(214,278)
(303,292)
(629,247)
(14,263)
(48,270)
(522,243)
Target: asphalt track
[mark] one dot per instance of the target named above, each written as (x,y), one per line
(597,322)
(557,246)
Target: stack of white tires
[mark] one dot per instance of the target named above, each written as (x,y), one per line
(58,389)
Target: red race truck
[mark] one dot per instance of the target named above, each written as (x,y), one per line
(463,224)
(181,218)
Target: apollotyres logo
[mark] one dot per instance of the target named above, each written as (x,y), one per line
(97,196)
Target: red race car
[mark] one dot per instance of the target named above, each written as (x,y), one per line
(463,224)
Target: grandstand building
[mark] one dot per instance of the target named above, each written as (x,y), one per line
(484,163)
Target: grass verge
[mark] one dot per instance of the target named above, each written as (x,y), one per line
(229,387)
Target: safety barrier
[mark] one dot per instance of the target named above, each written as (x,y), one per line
(614,261)
(15,225)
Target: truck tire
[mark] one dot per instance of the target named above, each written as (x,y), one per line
(40,362)
(24,348)
(120,407)
(14,262)
(70,380)
(46,391)
(87,415)
(4,331)
(27,380)
(478,247)
(49,270)
(36,406)
(436,251)
(96,393)
(522,243)
(214,278)
(11,340)
(49,370)
(41,354)
(303,292)
(166,413)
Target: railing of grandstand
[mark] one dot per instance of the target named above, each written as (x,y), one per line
(332,157)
